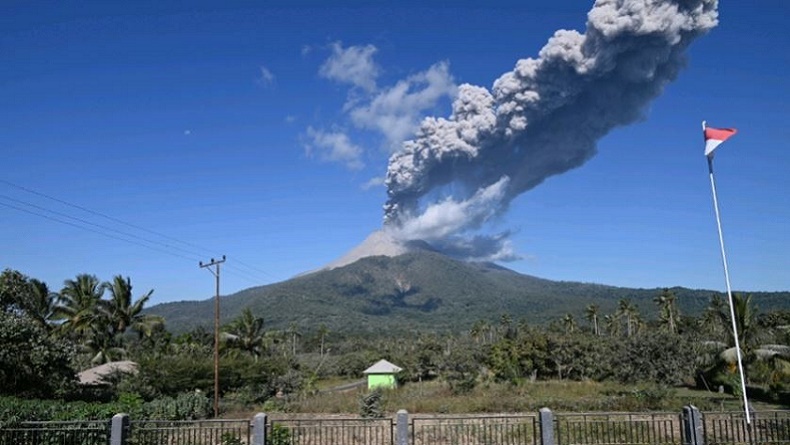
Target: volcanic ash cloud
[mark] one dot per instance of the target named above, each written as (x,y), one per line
(541,119)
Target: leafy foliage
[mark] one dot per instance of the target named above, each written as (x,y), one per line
(660,358)
(370,405)
(32,362)
(187,406)
(279,435)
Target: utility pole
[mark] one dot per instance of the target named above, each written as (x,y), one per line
(216,329)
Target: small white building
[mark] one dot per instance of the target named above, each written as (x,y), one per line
(382,375)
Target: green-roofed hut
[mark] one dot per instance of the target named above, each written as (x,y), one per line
(382,375)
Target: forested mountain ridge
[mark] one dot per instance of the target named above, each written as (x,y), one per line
(424,290)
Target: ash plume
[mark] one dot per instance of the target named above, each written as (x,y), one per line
(539,120)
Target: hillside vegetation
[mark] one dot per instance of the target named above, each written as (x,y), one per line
(425,291)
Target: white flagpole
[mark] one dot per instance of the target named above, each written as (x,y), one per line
(729,289)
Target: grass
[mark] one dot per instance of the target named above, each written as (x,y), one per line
(437,397)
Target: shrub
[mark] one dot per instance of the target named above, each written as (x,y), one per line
(32,362)
(186,406)
(370,405)
(279,435)
(230,439)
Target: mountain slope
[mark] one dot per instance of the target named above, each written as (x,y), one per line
(424,290)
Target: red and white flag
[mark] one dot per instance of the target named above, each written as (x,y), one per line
(714,137)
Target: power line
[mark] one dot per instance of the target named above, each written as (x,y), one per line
(253,268)
(51,218)
(243,275)
(100,226)
(94,212)
(251,273)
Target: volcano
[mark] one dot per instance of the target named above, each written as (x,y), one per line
(386,286)
(378,243)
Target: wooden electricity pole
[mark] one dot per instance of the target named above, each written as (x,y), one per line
(216,330)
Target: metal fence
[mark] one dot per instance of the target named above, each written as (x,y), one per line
(332,431)
(56,433)
(475,430)
(199,432)
(546,428)
(619,428)
(767,428)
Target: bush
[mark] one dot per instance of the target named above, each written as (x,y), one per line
(14,410)
(279,435)
(188,406)
(370,405)
(660,358)
(230,439)
(32,362)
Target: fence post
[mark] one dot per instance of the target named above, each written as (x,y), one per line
(546,427)
(259,429)
(402,428)
(692,425)
(118,429)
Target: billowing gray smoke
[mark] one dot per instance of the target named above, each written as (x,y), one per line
(539,120)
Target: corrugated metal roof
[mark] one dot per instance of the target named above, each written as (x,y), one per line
(94,376)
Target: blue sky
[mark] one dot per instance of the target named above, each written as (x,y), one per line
(253,130)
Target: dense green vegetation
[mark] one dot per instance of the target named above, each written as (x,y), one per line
(623,355)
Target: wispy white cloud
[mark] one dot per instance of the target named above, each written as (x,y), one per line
(378,181)
(392,112)
(395,112)
(353,65)
(333,146)
(266,77)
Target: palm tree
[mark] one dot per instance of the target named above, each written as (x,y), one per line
(481,332)
(40,303)
(715,319)
(293,331)
(745,321)
(506,326)
(125,314)
(750,337)
(247,333)
(103,349)
(323,331)
(612,323)
(627,310)
(592,316)
(669,315)
(569,322)
(87,318)
(80,306)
